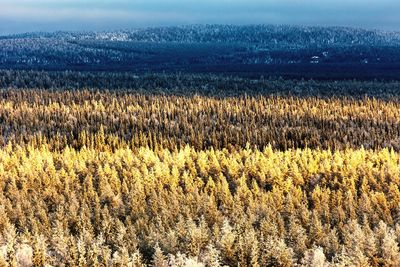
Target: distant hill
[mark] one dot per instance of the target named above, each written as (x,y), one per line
(271,36)
(265,49)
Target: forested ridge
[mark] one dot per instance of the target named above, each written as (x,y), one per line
(333,53)
(134,177)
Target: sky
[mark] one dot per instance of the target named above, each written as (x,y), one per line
(18,16)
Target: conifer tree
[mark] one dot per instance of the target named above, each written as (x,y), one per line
(159,260)
(39,251)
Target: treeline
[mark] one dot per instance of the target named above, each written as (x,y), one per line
(266,36)
(195,84)
(118,119)
(195,208)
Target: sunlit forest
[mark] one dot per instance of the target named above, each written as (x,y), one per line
(193,176)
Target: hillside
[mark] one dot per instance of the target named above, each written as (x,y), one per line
(289,51)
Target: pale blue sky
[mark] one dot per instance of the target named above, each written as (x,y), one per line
(50,15)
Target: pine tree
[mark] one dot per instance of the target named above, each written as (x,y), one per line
(81,253)
(390,250)
(211,257)
(314,258)
(226,242)
(159,260)
(10,236)
(39,251)
(121,258)
(276,253)
(137,260)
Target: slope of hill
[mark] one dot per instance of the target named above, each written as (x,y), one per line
(308,52)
